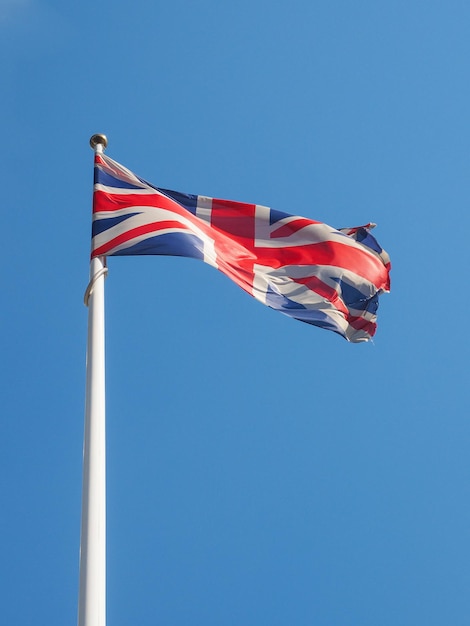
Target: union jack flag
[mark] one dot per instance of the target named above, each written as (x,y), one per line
(305,269)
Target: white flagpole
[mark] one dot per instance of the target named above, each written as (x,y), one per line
(92,586)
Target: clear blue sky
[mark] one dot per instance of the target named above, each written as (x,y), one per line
(261,472)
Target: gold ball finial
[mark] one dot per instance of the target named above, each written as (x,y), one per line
(97,140)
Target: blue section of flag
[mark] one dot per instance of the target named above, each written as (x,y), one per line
(275,216)
(279,301)
(316,317)
(102,225)
(170,244)
(189,201)
(367,239)
(354,298)
(106,179)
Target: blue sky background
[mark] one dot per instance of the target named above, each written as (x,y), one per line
(260,471)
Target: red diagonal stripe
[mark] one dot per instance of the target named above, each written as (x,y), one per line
(137,232)
(292,227)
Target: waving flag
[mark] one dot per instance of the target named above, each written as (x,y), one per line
(305,269)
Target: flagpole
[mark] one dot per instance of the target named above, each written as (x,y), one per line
(92,585)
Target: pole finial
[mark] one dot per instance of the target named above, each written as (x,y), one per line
(98,140)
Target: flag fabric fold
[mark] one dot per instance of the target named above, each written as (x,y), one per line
(327,277)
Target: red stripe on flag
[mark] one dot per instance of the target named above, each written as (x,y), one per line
(355,259)
(292,227)
(104,202)
(329,293)
(359,323)
(137,232)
